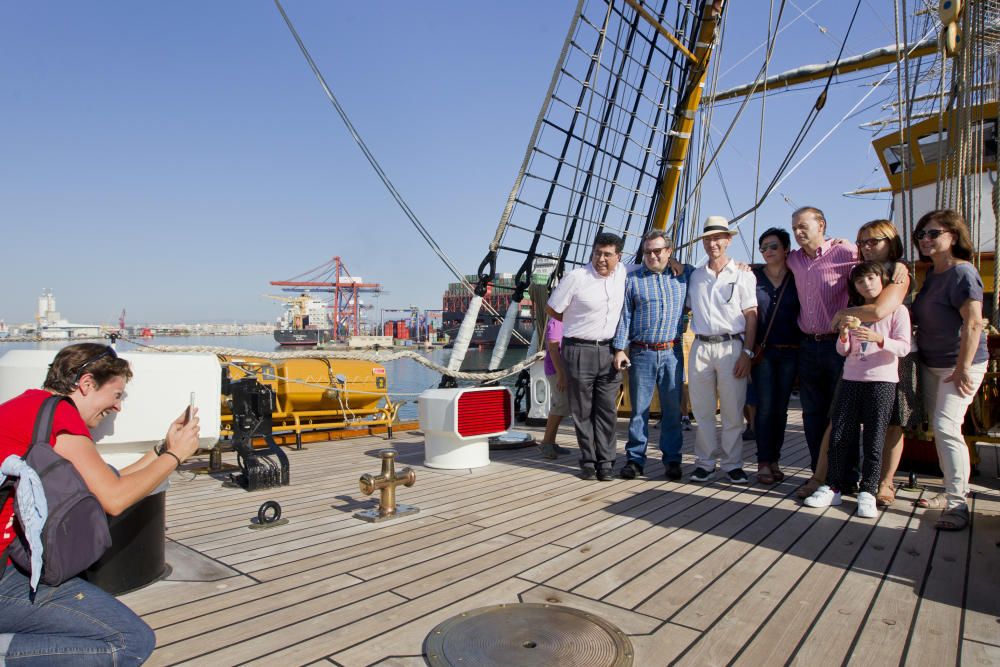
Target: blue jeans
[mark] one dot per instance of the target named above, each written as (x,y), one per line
(655,370)
(773,378)
(74,624)
(820,368)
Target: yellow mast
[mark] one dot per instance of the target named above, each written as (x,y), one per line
(683,125)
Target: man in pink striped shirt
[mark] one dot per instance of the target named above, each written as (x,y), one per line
(821,267)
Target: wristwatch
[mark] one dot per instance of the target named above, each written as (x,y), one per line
(161,448)
(749,353)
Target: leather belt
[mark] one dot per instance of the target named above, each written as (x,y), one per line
(821,337)
(719,338)
(655,346)
(583,341)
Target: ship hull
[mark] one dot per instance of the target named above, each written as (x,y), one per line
(298,337)
(485,335)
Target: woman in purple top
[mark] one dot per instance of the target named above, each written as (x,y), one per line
(555,375)
(951,342)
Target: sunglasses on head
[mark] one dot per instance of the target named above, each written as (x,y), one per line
(929,233)
(108,352)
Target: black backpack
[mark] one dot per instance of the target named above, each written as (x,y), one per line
(76,532)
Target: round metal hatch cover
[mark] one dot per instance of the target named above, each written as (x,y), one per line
(527,635)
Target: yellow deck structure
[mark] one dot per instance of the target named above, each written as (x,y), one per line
(317,394)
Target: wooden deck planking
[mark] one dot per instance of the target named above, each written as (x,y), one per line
(982,604)
(885,634)
(833,549)
(935,636)
(695,574)
(737,568)
(832,636)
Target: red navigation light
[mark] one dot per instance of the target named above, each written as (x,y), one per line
(482,412)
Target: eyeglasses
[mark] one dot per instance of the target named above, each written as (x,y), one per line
(108,352)
(655,251)
(929,233)
(871,243)
(764,247)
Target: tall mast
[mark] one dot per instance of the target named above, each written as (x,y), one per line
(683,124)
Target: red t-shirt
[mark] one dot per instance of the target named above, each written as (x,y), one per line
(17,421)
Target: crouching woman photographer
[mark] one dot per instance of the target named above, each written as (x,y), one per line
(76,623)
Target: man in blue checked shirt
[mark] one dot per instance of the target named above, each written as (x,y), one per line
(648,342)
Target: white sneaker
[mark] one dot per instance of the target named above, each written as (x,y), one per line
(866,506)
(824,496)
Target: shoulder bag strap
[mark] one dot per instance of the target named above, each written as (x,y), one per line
(774,307)
(43,422)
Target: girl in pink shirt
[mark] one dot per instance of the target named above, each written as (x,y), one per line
(866,392)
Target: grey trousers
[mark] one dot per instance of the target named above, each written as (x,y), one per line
(593,395)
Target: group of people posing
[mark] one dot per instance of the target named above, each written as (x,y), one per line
(832,316)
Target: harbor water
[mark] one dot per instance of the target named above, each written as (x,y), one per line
(406,378)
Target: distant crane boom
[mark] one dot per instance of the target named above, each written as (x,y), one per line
(347,293)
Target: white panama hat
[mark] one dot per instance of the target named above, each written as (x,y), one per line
(716,224)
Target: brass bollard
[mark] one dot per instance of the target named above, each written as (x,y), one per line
(386,482)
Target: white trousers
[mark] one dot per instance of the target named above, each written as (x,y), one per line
(710,377)
(946,408)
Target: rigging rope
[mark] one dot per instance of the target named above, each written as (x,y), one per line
(403,205)
(760,138)
(703,171)
(376,357)
(512,198)
(781,176)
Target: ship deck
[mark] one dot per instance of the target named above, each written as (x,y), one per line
(692,574)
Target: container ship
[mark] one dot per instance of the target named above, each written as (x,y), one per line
(306,321)
(498,294)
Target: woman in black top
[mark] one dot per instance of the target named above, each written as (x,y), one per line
(774,374)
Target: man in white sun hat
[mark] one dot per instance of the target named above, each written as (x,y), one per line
(723,304)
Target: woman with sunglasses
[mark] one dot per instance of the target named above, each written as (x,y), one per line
(77,623)
(774,375)
(951,343)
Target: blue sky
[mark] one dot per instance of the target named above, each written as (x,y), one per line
(172,158)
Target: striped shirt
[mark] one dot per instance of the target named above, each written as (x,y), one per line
(654,303)
(821,282)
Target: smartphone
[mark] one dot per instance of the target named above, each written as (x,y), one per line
(190,409)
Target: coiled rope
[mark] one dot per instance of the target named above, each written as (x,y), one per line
(378,357)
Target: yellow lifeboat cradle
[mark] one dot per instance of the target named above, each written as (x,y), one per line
(318,398)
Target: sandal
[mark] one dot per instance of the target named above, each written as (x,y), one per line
(765,476)
(957,518)
(938,502)
(886,496)
(776,473)
(808,488)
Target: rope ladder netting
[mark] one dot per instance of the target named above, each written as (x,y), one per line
(595,159)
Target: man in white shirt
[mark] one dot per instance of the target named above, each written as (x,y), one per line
(589,302)
(723,304)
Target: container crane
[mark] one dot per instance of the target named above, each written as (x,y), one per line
(333,276)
